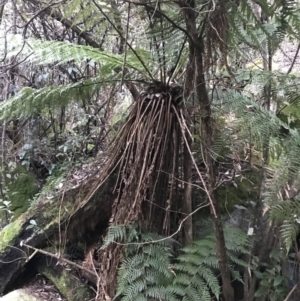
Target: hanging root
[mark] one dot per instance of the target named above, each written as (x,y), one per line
(147,152)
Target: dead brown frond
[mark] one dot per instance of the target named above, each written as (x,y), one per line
(217,36)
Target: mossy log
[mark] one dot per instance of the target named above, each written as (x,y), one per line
(68,285)
(65,215)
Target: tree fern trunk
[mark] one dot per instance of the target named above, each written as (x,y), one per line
(195,74)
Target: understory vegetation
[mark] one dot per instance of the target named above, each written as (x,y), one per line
(151,148)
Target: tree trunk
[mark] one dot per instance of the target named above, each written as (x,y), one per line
(187,201)
(195,71)
(55,222)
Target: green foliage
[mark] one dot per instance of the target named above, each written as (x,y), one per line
(148,270)
(127,234)
(273,282)
(287,213)
(55,53)
(106,66)
(156,47)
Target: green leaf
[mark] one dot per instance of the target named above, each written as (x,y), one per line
(265,283)
(261,291)
(276,254)
(278,280)
(259,275)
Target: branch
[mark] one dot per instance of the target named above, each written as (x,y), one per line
(294,60)
(68,24)
(121,36)
(168,237)
(290,293)
(163,15)
(58,258)
(36,15)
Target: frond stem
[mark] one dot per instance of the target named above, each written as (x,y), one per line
(121,36)
(163,15)
(125,50)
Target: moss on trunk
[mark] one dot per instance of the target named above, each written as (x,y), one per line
(66,212)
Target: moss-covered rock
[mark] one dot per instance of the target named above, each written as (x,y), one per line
(10,232)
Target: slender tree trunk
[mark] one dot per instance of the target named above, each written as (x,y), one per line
(195,72)
(266,103)
(187,201)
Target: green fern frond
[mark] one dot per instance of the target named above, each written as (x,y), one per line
(43,52)
(199,261)
(120,233)
(288,213)
(285,210)
(289,231)
(147,270)
(35,101)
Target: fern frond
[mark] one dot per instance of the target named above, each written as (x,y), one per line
(36,101)
(120,233)
(199,262)
(289,231)
(288,213)
(43,52)
(147,270)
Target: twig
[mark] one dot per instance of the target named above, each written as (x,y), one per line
(163,15)
(59,258)
(37,14)
(196,167)
(121,36)
(290,293)
(125,50)
(294,60)
(165,238)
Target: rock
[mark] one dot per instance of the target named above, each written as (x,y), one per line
(20,295)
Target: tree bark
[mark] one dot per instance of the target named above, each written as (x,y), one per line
(187,201)
(195,71)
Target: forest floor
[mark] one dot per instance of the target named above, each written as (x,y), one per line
(40,287)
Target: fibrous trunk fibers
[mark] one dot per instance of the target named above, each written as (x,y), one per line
(146,150)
